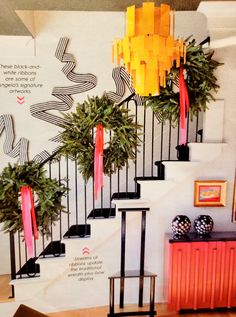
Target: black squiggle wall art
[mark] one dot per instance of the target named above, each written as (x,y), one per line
(21,147)
(84,82)
(122,79)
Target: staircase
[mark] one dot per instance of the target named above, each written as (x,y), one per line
(77,275)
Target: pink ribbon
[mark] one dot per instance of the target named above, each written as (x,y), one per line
(28,218)
(98,160)
(34,222)
(184,106)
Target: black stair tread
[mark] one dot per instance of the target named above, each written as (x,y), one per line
(78,231)
(53,249)
(29,269)
(100,213)
(147,178)
(158,162)
(125,195)
(164,161)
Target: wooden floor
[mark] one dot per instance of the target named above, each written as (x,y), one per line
(162,311)
(5,288)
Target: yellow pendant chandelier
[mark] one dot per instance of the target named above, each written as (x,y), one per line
(148,50)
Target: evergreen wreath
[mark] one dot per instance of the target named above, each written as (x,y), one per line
(78,135)
(47,196)
(200,80)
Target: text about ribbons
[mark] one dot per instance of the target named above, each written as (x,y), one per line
(86,268)
(19,78)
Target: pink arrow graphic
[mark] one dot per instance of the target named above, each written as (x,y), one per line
(85,251)
(20,100)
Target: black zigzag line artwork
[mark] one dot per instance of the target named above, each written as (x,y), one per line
(122,79)
(84,82)
(21,147)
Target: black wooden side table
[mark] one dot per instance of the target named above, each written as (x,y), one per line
(140,274)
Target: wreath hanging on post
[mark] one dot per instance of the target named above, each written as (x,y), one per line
(201,82)
(47,196)
(79,133)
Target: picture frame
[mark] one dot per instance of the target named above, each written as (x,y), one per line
(234,202)
(210,193)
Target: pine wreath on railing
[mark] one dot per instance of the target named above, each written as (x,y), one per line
(201,82)
(47,196)
(77,137)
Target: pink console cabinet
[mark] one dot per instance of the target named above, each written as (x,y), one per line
(201,272)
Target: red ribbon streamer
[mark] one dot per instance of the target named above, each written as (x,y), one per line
(28,218)
(184,106)
(98,160)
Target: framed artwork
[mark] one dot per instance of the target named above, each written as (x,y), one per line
(209,193)
(234,202)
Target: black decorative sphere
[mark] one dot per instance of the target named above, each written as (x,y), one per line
(180,225)
(203,224)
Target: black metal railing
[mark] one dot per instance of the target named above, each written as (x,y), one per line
(159,143)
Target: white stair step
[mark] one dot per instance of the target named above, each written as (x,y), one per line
(74,246)
(101,233)
(104,228)
(51,267)
(131,203)
(205,152)
(178,170)
(153,190)
(27,288)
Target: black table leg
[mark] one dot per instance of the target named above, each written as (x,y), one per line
(122,263)
(122,291)
(112,296)
(140,301)
(152,295)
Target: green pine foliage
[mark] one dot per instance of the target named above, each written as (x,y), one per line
(200,80)
(47,196)
(78,135)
